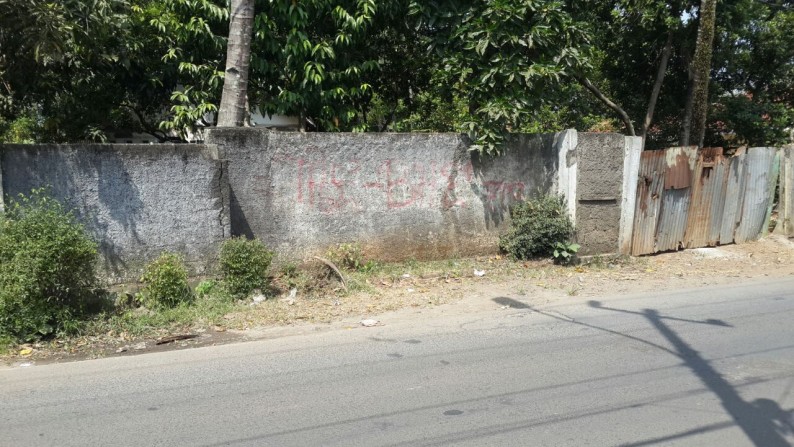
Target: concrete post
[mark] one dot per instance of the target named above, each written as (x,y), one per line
(631,169)
(785,217)
(566,142)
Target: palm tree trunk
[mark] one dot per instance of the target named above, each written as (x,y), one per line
(702,70)
(232,111)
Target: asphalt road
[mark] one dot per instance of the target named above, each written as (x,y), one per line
(702,367)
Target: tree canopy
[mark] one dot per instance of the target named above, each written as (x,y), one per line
(80,69)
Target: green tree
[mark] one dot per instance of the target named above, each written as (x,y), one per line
(505,56)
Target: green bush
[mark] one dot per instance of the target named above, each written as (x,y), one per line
(165,281)
(244,265)
(205,288)
(350,257)
(537,226)
(47,268)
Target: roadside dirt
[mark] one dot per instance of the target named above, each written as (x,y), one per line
(405,290)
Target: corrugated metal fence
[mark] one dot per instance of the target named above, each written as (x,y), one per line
(690,198)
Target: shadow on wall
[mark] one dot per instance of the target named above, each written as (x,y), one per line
(115,208)
(763,421)
(119,197)
(240,226)
(500,185)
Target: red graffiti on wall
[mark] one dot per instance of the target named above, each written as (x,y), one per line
(323,185)
(333,187)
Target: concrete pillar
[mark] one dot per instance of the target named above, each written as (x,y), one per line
(565,143)
(785,207)
(631,169)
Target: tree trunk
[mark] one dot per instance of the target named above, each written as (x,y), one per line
(232,112)
(686,120)
(619,110)
(657,85)
(702,71)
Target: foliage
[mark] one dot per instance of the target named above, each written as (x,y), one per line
(205,288)
(506,55)
(755,52)
(47,268)
(537,226)
(244,263)
(351,257)
(165,281)
(564,252)
(207,310)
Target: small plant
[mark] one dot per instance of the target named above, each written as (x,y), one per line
(537,226)
(47,268)
(565,252)
(206,287)
(350,257)
(165,282)
(244,263)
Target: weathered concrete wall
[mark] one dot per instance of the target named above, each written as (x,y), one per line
(599,191)
(136,200)
(399,195)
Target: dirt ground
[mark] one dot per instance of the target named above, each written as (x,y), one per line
(465,285)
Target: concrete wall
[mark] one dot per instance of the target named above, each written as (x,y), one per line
(398,195)
(136,200)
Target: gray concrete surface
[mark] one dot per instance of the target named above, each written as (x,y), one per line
(135,200)
(400,196)
(599,191)
(700,367)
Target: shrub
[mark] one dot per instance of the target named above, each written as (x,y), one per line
(47,268)
(350,257)
(165,281)
(537,226)
(205,288)
(244,264)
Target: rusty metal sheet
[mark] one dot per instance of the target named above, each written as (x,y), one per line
(649,192)
(676,197)
(734,196)
(758,173)
(672,219)
(705,182)
(718,198)
(679,167)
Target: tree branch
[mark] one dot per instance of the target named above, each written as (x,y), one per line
(619,110)
(148,128)
(657,85)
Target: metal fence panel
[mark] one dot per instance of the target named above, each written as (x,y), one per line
(676,198)
(734,192)
(758,173)
(649,192)
(705,185)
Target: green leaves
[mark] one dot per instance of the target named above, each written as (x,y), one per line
(47,267)
(244,265)
(508,54)
(165,281)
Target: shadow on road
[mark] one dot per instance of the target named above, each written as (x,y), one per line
(762,420)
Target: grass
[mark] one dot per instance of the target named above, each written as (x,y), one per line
(208,310)
(321,298)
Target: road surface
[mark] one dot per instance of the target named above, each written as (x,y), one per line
(700,367)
